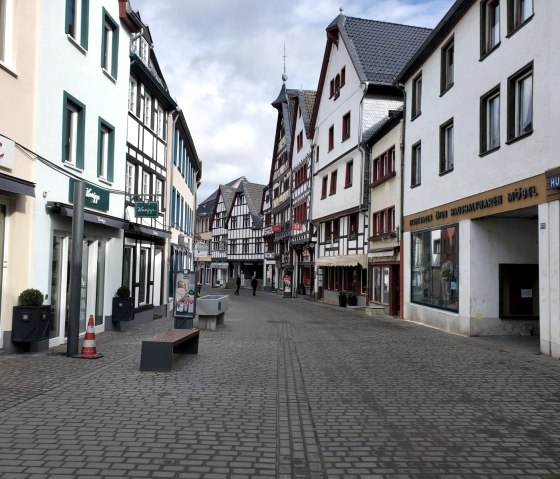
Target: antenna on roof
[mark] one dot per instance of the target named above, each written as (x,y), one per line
(341,10)
(284,76)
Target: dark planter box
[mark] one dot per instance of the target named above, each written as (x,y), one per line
(30,323)
(342,300)
(352,300)
(123,309)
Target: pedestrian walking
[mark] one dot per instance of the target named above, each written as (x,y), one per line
(254,284)
(238,284)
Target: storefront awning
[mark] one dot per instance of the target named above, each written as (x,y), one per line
(11,184)
(346,260)
(147,231)
(219,265)
(97,218)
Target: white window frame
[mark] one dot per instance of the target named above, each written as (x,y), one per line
(129,178)
(147,110)
(6,31)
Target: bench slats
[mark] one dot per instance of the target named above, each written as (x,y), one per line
(157,351)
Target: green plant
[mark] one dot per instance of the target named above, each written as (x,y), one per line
(342,293)
(123,292)
(31,297)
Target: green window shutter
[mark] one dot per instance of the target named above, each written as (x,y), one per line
(85,24)
(111,156)
(115,55)
(99,150)
(64,126)
(80,150)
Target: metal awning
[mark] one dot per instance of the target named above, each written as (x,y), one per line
(345,260)
(11,184)
(147,231)
(89,216)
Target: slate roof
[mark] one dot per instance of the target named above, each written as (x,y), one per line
(254,195)
(380,50)
(306,103)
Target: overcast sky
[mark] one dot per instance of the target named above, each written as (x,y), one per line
(223,62)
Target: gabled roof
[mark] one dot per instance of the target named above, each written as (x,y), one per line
(379,50)
(227,193)
(254,195)
(306,101)
(438,35)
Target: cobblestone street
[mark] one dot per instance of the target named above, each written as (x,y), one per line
(287,388)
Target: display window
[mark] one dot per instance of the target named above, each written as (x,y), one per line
(435,268)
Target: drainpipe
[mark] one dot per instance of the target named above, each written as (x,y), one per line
(362,179)
(400,86)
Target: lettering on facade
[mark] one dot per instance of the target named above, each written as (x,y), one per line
(92,195)
(554,181)
(477,205)
(522,194)
(421,220)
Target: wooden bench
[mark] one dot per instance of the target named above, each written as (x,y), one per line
(157,351)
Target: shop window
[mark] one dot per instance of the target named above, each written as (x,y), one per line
(381,285)
(435,268)
(519,291)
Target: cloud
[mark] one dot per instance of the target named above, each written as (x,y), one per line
(223,62)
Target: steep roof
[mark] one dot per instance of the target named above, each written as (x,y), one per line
(379,50)
(254,195)
(306,102)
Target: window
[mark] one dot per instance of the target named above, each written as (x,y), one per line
(133,97)
(148,110)
(109,45)
(434,268)
(416,96)
(73,128)
(349,174)
(490,121)
(106,151)
(159,194)
(337,86)
(446,147)
(5,30)
(332,190)
(353,226)
(258,246)
(328,231)
(383,222)
(146,183)
(384,166)
(245,245)
(77,18)
(519,12)
(342,77)
(232,246)
(246,222)
(520,103)
(415,176)
(129,178)
(331,91)
(489,25)
(324,187)
(447,65)
(300,141)
(331,137)
(346,126)
(233,224)
(160,122)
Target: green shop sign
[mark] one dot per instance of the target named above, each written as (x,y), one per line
(96,197)
(146,209)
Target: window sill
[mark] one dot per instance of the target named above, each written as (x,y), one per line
(383,179)
(332,193)
(7,69)
(105,181)
(348,185)
(488,152)
(73,41)
(344,138)
(72,166)
(520,137)
(108,75)
(446,89)
(516,28)
(487,53)
(443,173)
(415,115)
(415,185)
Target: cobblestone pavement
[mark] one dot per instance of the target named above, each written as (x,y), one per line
(286,389)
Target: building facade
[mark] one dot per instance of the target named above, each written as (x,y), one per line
(481,200)
(354,94)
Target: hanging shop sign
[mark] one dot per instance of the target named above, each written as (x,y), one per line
(146,209)
(7,152)
(96,197)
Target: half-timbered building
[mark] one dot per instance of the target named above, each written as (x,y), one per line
(354,93)
(301,151)
(146,176)
(244,224)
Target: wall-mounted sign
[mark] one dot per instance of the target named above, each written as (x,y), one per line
(146,209)
(297,227)
(96,197)
(554,181)
(276,228)
(7,152)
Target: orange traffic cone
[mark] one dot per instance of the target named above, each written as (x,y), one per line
(89,350)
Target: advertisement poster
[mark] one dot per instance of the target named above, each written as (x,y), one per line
(185,294)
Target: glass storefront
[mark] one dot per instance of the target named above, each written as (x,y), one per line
(435,268)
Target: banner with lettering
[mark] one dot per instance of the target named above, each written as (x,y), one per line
(96,198)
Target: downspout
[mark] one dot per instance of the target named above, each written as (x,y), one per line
(313,293)
(175,115)
(400,86)
(362,179)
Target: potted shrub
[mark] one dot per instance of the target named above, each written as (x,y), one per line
(123,305)
(352,299)
(342,296)
(30,318)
